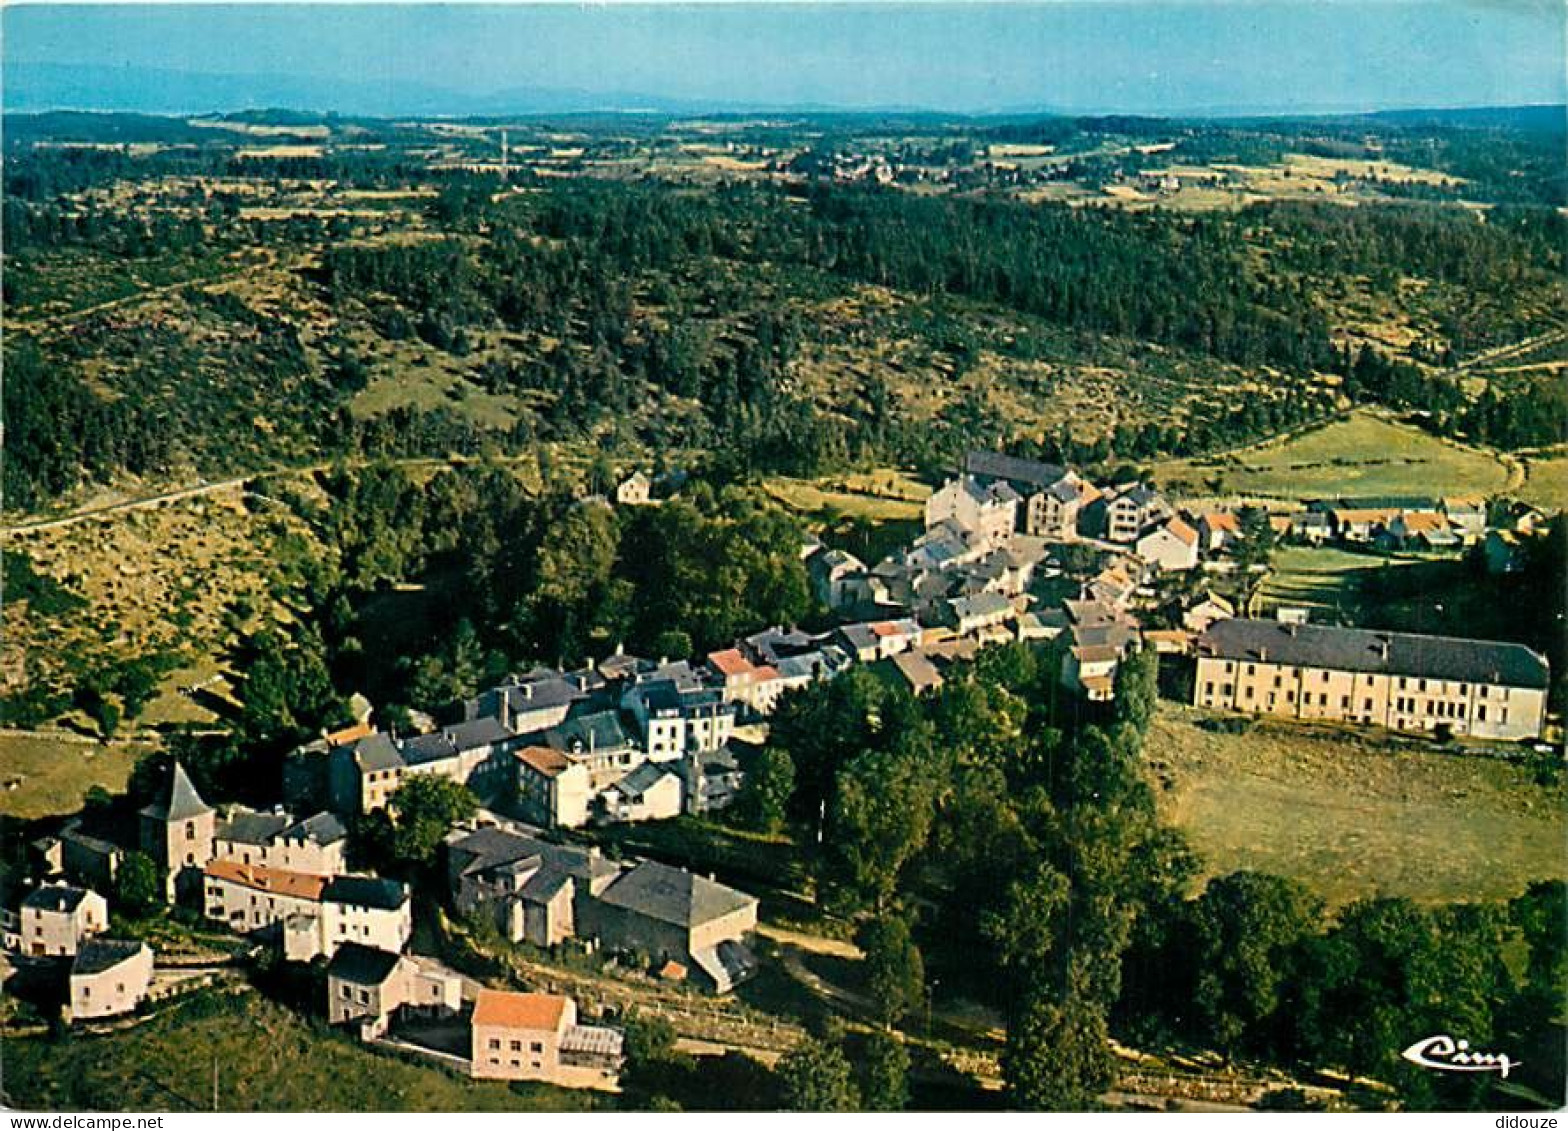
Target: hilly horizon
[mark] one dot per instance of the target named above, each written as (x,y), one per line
(1075,57)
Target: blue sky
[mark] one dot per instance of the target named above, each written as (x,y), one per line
(1133,56)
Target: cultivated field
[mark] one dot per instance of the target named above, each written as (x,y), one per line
(1353,818)
(1318,577)
(1361,455)
(268,1058)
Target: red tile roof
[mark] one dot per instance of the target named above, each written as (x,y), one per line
(543,759)
(273,880)
(729,662)
(504,1010)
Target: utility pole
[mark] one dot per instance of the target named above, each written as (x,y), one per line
(214,1081)
(504,154)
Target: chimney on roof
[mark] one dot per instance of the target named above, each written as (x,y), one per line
(1382,647)
(1263,655)
(505,708)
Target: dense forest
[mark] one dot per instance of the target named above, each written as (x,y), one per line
(681,318)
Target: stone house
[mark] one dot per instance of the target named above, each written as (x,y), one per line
(108,977)
(1479,688)
(518,1036)
(368,985)
(55,919)
(1171,546)
(553,790)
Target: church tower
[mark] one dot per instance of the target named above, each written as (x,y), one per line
(177,830)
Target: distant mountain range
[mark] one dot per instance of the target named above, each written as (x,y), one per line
(31,87)
(40,87)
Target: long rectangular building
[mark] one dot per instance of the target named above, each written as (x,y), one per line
(1479,688)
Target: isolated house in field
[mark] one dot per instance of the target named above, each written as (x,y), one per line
(1478,688)
(536,1037)
(986,515)
(177,831)
(369,986)
(634,491)
(670,914)
(56,919)
(1171,546)
(108,977)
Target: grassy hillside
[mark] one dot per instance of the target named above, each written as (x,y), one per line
(1361,455)
(1352,818)
(268,1059)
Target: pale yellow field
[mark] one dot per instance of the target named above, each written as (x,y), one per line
(1362,454)
(42,776)
(1546,484)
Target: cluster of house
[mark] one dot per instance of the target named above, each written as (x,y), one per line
(285,882)
(627,739)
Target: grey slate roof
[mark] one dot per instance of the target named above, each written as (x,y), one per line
(323,828)
(378,752)
(981,604)
(252,828)
(599,729)
(365,891)
(673,895)
(479,732)
(181,803)
(640,780)
(94,956)
(1138,495)
(491,848)
(1362,650)
(362,965)
(433,747)
(998,466)
(55,897)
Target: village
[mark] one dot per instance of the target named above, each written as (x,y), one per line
(1012,550)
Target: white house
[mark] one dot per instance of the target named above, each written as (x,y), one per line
(1171,546)
(987,515)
